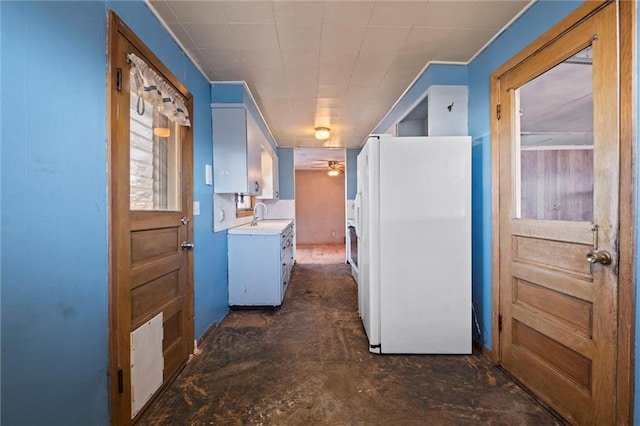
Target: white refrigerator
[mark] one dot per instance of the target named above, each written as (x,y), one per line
(413,222)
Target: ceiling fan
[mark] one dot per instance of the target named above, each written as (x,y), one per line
(335,168)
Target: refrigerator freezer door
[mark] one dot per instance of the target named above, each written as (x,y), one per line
(368,242)
(425,245)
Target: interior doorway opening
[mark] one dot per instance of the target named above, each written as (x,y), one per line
(320,205)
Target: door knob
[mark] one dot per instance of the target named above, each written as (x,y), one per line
(186,245)
(600,256)
(597,256)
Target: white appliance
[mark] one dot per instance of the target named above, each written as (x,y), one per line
(413,222)
(352,248)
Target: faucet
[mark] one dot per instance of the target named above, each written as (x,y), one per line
(254,222)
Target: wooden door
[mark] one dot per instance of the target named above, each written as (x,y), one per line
(558,142)
(151,284)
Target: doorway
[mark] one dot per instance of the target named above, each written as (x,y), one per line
(151,264)
(320,205)
(558,184)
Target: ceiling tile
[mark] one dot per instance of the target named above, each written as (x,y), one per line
(165,11)
(299,37)
(423,39)
(347,12)
(391,13)
(368,77)
(262,59)
(249,12)
(212,36)
(300,60)
(233,74)
(445,13)
(335,77)
(331,91)
(255,36)
(261,76)
(374,60)
(270,90)
(463,44)
(493,15)
(357,94)
(198,12)
(297,12)
(329,102)
(179,31)
(332,60)
(303,87)
(384,39)
(219,58)
(342,37)
(411,63)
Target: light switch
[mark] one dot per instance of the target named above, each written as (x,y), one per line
(208,174)
(196,208)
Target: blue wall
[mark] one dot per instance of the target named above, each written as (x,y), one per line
(286,174)
(541,17)
(54,206)
(234,93)
(434,74)
(352,173)
(54,214)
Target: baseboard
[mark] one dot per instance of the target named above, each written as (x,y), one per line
(205,335)
(483,350)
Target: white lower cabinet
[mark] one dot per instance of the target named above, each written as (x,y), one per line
(260,263)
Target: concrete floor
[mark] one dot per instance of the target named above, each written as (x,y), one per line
(308,364)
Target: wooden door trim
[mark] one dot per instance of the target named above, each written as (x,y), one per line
(627,186)
(628,213)
(119,217)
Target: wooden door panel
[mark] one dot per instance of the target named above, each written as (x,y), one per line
(562,256)
(146,299)
(152,244)
(574,313)
(143,273)
(567,284)
(550,381)
(562,359)
(558,310)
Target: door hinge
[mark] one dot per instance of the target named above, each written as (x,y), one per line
(498,111)
(119,79)
(499,322)
(120,381)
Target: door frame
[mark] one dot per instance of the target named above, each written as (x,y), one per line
(118,222)
(627,186)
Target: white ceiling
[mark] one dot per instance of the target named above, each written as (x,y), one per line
(337,64)
(316,158)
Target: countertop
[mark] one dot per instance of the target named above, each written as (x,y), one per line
(264,227)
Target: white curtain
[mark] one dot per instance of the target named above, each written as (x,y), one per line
(155,90)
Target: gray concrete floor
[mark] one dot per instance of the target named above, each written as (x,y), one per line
(307,363)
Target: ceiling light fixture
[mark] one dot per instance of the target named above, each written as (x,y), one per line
(335,168)
(323,133)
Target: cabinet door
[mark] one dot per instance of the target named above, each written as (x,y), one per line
(276,176)
(230,149)
(254,161)
(270,184)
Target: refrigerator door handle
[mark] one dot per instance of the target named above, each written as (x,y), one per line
(357,214)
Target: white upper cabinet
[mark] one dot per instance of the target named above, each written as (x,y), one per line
(270,178)
(442,112)
(237,141)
